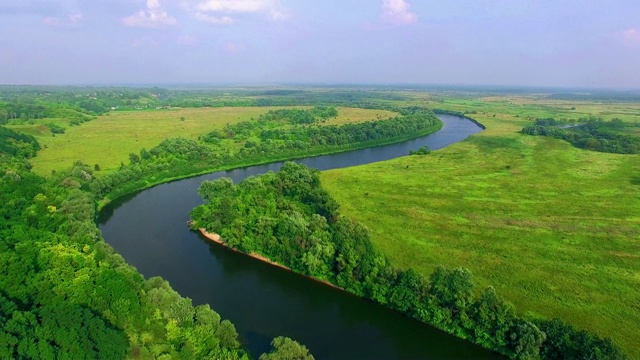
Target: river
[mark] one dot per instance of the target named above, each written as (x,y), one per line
(149,229)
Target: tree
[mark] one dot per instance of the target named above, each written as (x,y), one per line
(451,295)
(134,158)
(283,348)
(492,318)
(526,340)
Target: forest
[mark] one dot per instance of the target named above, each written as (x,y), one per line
(289,218)
(589,133)
(65,294)
(19,104)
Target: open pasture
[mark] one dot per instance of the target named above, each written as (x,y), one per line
(109,139)
(554,228)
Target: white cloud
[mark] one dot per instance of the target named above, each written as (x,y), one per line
(70,21)
(397,12)
(224,12)
(630,37)
(246,6)
(151,17)
(216,20)
(277,15)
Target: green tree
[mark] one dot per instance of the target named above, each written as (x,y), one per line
(526,340)
(283,348)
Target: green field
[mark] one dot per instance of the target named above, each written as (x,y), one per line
(554,228)
(110,139)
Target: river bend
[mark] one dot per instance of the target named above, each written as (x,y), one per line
(149,229)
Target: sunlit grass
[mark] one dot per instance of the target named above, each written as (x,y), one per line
(108,140)
(353,115)
(554,228)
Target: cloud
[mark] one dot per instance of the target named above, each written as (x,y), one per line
(630,37)
(224,12)
(151,17)
(239,6)
(397,12)
(277,15)
(70,21)
(215,20)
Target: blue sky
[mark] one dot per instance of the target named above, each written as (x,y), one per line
(567,43)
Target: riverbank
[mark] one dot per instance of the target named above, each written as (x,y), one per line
(483,209)
(255,296)
(195,170)
(218,240)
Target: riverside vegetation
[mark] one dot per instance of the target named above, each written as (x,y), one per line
(553,227)
(66,294)
(48,233)
(288,218)
(277,135)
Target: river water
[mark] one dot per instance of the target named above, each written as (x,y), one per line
(149,229)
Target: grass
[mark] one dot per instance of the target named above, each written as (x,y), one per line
(554,228)
(353,115)
(110,139)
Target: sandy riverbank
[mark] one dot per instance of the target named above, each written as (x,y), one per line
(216,238)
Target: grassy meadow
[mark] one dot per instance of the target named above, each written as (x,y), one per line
(109,139)
(554,228)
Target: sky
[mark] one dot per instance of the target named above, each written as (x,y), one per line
(568,43)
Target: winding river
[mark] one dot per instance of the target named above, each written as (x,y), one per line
(149,229)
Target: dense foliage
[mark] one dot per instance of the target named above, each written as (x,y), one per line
(591,134)
(77,104)
(17,144)
(288,217)
(276,135)
(65,294)
(284,348)
(425,150)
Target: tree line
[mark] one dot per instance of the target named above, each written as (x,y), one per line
(589,133)
(289,218)
(21,103)
(276,135)
(64,293)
